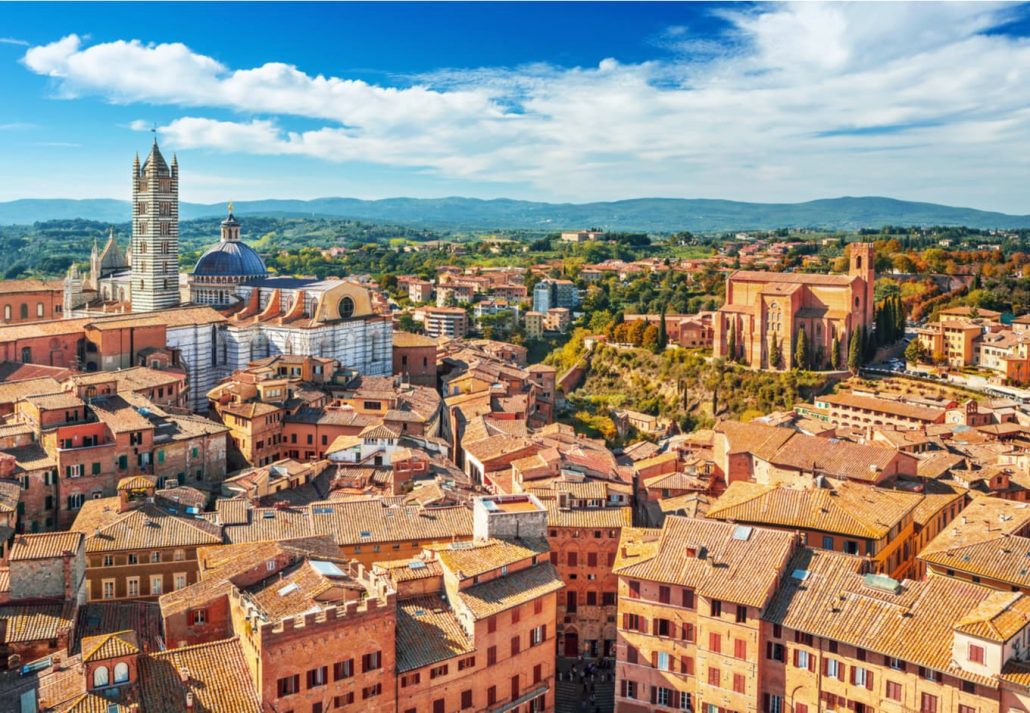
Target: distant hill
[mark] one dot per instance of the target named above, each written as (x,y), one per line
(644,214)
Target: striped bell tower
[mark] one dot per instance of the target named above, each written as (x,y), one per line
(155,233)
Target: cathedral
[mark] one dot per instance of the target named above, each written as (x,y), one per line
(766,312)
(254,314)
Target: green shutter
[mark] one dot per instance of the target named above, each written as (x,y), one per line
(195,452)
(160,456)
(96,469)
(123,462)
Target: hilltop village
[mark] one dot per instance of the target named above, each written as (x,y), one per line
(233,489)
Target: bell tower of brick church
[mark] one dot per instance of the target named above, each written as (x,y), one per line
(863,261)
(155,233)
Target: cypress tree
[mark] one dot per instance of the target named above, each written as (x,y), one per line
(801,350)
(776,352)
(855,350)
(731,347)
(835,353)
(663,333)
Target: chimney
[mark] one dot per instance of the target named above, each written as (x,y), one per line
(189,700)
(692,552)
(66,567)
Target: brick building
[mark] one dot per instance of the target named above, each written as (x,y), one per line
(31,301)
(414,358)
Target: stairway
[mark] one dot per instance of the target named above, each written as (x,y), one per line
(571,694)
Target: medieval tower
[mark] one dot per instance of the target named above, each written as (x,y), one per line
(155,233)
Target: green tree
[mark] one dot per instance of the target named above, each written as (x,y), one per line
(835,353)
(776,352)
(407,323)
(915,352)
(855,340)
(663,332)
(731,346)
(801,350)
(650,338)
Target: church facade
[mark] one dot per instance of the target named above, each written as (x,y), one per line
(766,312)
(255,314)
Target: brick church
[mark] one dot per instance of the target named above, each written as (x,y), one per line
(764,310)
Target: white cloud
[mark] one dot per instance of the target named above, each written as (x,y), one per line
(797,101)
(13,41)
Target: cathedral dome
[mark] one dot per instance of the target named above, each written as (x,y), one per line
(230,258)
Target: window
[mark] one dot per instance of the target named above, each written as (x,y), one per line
(663,696)
(438,671)
(198,616)
(893,690)
(318,676)
(370,662)
(968,687)
(715,642)
(156,584)
(515,686)
(773,704)
(491,625)
(491,695)
(688,598)
(345,669)
(738,683)
(861,677)
(716,608)
(180,580)
(537,635)
(713,677)
(100,677)
(664,594)
(976,654)
(774,651)
(132,586)
(121,672)
(491,656)
(371,691)
(155,557)
(662,661)
(288,685)
(634,589)
(466,699)
(740,648)
(929,675)
(927,703)
(108,589)
(895,664)
(465,663)
(802,659)
(833,669)
(516,645)
(741,614)
(109,560)
(411,679)
(23,310)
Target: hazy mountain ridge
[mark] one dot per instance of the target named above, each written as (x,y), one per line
(644,214)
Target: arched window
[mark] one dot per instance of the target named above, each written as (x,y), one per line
(100,677)
(39,309)
(856,302)
(346,308)
(24,311)
(7,312)
(858,262)
(121,672)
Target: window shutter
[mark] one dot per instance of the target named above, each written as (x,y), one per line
(625,621)
(768,649)
(853,678)
(869,680)
(654,694)
(643,625)
(622,688)
(654,659)
(797,657)
(840,671)
(811,663)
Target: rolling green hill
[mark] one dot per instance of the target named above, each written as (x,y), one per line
(641,214)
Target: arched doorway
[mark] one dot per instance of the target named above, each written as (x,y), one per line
(571,643)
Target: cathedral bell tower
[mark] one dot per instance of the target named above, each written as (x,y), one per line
(863,259)
(155,233)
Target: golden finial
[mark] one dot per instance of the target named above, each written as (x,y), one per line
(230,207)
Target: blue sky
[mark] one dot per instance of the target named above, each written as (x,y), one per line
(558,102)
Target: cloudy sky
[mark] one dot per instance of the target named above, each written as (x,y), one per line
(558,102)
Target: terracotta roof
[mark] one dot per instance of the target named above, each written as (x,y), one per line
(271,524)
(12,392)
(348,521)
(135,482)
(218,679)
(515,588)
(44,545)
(586,518)
(407,339)
(119,415)
(749,559)
(999,617)
(800,278)
(303,586)
(428,632)
(109,646)
(887,406)
(915,622)
(150,527)
(847,508)
(22,623)
(103,617)
(982,541)
(471,559)
(232,511)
